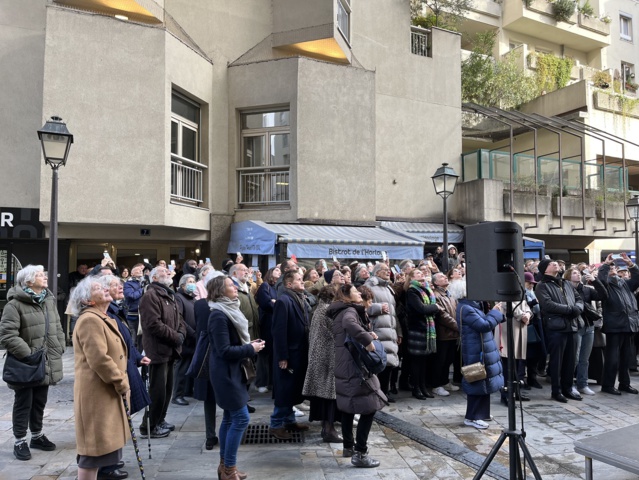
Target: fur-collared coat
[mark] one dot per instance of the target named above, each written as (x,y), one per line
(101,425)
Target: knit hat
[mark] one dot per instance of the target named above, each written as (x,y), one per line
(529,277)
(543,265)
(328,276)
(227,264)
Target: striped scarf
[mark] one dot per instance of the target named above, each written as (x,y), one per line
(429,299)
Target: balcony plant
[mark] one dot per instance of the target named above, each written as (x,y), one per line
(553,72)
(563,9)
(605,18)
(601,79)
(586,9)
(631,87)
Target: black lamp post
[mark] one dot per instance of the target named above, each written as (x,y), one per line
(56,142)
(633,213)
(445,180)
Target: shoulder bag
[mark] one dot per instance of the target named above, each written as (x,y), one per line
(475,371)
(29,371)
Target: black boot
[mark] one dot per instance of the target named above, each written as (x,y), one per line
(417,393)
(362,460)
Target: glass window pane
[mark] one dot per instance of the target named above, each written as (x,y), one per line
(189,143)
(280,154)
(265,120)
(342,19)
(501,166)
(185,109)
(174,138)
(253,150)
(470,166)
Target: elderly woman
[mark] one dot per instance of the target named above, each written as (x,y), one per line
(200,286)
(266,297)
(478,345)
(185,299)
(228,333)
(521,319)
(30,321)
(101,381)
(319,383)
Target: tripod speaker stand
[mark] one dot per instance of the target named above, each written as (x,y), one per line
(494,255)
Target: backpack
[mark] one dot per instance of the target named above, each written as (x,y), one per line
(367,362)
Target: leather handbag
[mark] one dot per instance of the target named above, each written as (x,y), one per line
(475,371)
(248,370)
(29,371)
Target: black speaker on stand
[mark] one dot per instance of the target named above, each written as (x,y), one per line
(494,269)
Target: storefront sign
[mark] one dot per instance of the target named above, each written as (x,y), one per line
(20,223)
(362,252)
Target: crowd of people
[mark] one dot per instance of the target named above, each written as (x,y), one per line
(221,335)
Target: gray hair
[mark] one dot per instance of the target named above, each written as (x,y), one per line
(81,295)
(457,289)
(184,278)
(234,269)
(28,274)
(211,275)
(154,272)
(205,270)
(377,268)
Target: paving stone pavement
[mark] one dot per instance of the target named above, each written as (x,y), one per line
(550,428)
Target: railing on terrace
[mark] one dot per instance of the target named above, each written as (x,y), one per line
(264,186)
(186,181)
(420,41)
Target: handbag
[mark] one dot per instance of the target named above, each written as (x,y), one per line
(591,314)
(475,371)
(29,371)
(199,367)
(248,370)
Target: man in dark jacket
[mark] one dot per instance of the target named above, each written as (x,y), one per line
(163,333)
(560,307)
(290,355)
(620,323)
(239,273)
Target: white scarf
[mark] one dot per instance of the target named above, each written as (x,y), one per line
(231,308)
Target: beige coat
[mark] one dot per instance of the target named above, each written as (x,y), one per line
(101,425)
(520,331)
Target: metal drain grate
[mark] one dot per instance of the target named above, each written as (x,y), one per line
(257,434)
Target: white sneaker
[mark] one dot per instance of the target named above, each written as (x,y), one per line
(298,412)
(440,391)
(489,419)
(479,424)
(586,391)
(262,389)
(304,406)
(451,388)
(356,419)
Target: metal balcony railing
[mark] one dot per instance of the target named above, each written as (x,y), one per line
(268,186)
(186,181)
(420,41)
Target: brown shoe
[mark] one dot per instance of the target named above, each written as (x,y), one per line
(280,433)
(230,473)
(220,472)
(296,427)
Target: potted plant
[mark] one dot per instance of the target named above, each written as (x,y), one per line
(631,86)
(601,79)
(586,9)
(563,9)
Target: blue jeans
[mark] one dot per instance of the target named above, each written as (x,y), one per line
(231,430)
(282,416)
(585,339)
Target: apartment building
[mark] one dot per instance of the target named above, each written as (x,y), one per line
(198,124)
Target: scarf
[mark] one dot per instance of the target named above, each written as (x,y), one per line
(231,308)
(36,297)
(429,299)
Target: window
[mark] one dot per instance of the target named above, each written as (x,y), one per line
(265,163)
(344,18)
(186,169)
(625,26)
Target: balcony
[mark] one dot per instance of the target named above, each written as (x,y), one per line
(263,187)
(537,20)
(420,41)
(186,181)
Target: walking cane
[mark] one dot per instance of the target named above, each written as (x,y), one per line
(135,440)
(145,378)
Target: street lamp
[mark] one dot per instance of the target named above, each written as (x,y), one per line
(56,142)
(445,180)
(633,212)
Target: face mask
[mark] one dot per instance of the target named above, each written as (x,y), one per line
(190,288)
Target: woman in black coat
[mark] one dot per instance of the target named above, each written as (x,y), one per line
(421,308)
(356,393)
(228,334)
(185,298)
(265,297)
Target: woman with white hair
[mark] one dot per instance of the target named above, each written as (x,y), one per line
(30,321)
(101,381)
(200,286)
(478,345)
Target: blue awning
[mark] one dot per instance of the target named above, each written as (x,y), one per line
(428,232)
(323,241)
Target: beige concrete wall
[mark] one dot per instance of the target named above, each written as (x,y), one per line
(22,41)
(297,14)
(118,120)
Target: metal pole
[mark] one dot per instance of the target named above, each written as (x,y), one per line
(53,236)
(445,246)
(636,241)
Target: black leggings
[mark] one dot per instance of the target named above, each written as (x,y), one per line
(363,429)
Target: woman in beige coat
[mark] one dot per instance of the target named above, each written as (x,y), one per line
(101,426)
(521,318)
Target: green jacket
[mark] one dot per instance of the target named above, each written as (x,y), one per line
(22,330)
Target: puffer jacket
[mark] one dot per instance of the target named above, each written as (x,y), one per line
(22,331)
(557,297)
(476,326)
(445,322)
(385,325)
(620,308)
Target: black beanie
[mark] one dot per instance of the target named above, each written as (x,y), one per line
(328,276)
(543,265)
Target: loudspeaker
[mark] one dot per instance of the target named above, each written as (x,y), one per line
(492,248)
